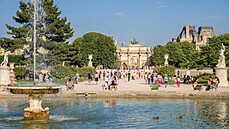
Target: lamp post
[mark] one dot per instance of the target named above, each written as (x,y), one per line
(114,59)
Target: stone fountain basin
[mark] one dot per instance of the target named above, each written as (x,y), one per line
(34,89)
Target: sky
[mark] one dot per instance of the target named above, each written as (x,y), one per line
(153,22)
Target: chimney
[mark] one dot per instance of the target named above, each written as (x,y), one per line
(187,31)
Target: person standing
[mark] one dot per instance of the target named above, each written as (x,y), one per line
(89,77)
(104,75)
(178,81)
(166,80)
(148,77)
(128,76)
(77,77)
(145,77)
(159,79)
(96,78)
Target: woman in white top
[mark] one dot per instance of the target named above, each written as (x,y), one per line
(96,78)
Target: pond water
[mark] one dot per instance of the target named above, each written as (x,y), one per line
(119,113)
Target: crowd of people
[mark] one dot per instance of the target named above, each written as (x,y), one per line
(111,78)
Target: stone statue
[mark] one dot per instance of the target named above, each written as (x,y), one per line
(221,60)
(5,61)
(90,62)
(166,56)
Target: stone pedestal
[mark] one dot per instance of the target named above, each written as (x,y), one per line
(12,74)
(4,76)
(35,110)
(221,73)
(90,62)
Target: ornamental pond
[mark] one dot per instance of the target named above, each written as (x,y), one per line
(119,113)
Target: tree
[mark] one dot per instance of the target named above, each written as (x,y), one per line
(189,52)
(176,55)
(157,57)
(49,25)
(101,46)
(19,34)
(210,53)
(52,30)
(57,28)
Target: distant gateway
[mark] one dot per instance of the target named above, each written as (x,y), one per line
(134,55)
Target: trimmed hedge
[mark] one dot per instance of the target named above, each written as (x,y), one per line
(61,74)
(20,72)
(169,70)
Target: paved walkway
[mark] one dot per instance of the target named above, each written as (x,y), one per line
(136,85)
(136,88)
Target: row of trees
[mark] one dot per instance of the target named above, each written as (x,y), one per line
(53,33)
(184,55)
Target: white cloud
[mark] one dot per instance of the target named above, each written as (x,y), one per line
(211,17)
(118,14)
(160,4)
(163,6)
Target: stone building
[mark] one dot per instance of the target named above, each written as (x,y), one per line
(134,55)
(199,38)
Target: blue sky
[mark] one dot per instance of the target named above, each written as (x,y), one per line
(152,22)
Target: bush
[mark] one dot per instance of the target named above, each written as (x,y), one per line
(227,74)
(203,78)
(61,74)
(20,72)
(169,70)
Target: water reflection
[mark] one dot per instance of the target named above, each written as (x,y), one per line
(120,113)
(109,102)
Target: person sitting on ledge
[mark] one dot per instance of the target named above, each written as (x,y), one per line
(196,85)
(210,83)
(113,84)
(70,84)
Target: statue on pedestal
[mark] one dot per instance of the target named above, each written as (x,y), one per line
(221,60)
(5,61)
(90,62)
(166,59)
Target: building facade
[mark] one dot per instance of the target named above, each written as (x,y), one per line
(134,55)
(199,38)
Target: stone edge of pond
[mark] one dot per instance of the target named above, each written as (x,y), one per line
(130,94)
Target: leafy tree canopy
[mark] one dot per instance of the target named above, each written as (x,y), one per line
(50,25)
(100,46)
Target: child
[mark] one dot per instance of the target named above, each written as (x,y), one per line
(166,79)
